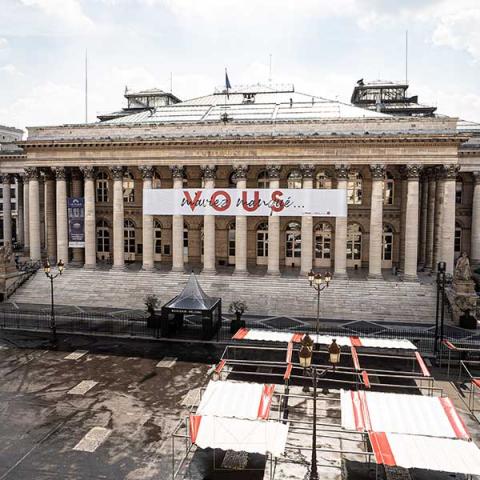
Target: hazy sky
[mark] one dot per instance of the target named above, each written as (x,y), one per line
(321,46)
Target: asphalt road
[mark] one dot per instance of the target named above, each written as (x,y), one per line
(131,404)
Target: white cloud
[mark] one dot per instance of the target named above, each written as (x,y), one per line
(11,69)
(3,43)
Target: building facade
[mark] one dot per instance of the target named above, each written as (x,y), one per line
(412,185)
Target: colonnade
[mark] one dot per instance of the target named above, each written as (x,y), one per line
(428,231)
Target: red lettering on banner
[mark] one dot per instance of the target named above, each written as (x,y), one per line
(192,203)
(279,204)
(246,203)
(220,208)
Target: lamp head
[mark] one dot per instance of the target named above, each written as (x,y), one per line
(307,341)
(46,267)
(442,267)
(60,266)
(334,352)
(311,276)
(305,356)
(328,278)
(318,279)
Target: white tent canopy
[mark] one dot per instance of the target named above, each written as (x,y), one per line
(427,453)
(252,436)
(237,400)
(400,413)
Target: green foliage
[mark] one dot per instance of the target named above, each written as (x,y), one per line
(238,307)
(151,302)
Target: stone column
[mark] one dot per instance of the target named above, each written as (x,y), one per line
(376,222)
(34,213)
(208,173)
(475,253)
(341,227)
(273,173)
(62,219)
(430,220)
(241,232)
(20,211)
(7,209)
(50,217)
(118,219)
(147,222)
(448,217)
(90,220)
(306,260)
(422,254)
(411,226)
(26,213)
(177,225)
(78,254)
(438,221)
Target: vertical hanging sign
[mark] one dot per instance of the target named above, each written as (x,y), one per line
(76,222)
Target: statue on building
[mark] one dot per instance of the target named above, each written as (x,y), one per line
(463,272)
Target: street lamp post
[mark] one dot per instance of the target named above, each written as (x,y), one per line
(319,282)
(440,310)
(52,276)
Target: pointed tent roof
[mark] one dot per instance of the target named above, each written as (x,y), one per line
(192,297)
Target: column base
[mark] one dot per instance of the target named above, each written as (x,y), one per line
(208,271)
(178,269)
(118,268)
(240,273)
(93,266)
(375,276)
(410,278)
(274,273)
(147,268)
(340,275)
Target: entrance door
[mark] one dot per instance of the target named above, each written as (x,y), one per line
(323,245)
(262,244)
(293,245)
(129,241)
(157,241)
(354,245)
(387,247)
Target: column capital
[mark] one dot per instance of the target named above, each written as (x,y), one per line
(273,171)
(117,172)
(476,178)
(209,172)
(31,173)
(177,171)
(449,171)
(88,172)
(308,170)
(413,172)
(6,177)
(147,171)
(240,172)
(378,171)
(342,171)
(60,172)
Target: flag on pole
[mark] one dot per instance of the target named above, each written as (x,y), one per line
(227,83)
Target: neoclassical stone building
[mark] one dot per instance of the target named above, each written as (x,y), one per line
(412,183)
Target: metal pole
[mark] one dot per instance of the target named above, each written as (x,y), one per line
(435,345)
(317,329)
(53,325)
(442,318)
(313,466)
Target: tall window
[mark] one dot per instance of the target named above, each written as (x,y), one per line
(458,191)
(231,239)
(323,180)
(103,237)
(128,188)
(323,241)
(185,240)
(293,239)
(102,187)
(458,240)
(157,237)
(388,189)
(262,180)
(294,179)
(262,240)
(354,242)
(129,236)
(354,188)
(387,245)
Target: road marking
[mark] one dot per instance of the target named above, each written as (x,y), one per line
(167,362)
(82,388)
(92,439)
(76,355)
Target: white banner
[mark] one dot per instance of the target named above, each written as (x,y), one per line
(247,202)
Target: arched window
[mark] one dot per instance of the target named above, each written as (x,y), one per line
(231,242)
(103,237)
(128,188)
(458,239)
(231,180)
(294,179)
(262,243)
(387,244)
(388,189)
(156,181)
(102,187)
(323,180)
(459,191)
(293,245)
(157,238)
(128,236)
(323,240)
(354,242)
(354,188)
(262,180)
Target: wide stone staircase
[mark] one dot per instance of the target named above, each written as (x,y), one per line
(286,296)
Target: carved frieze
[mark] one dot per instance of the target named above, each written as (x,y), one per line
(209,172)
(60,173)
(31,173)
(273,171)
(88,172)
(240,172)
(341,171)
(378,171)
(308,171)
(117,172)
(177,171)
(413,171)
